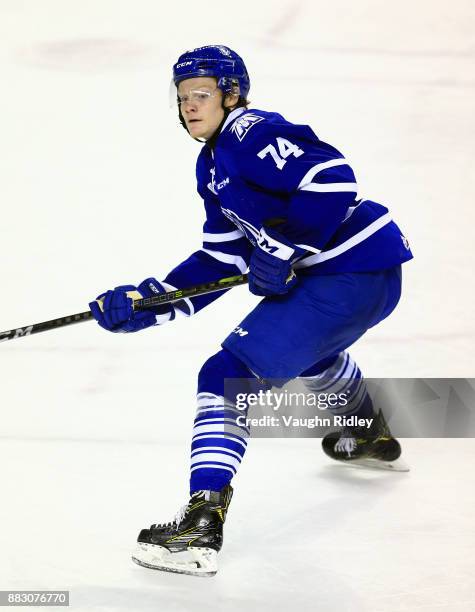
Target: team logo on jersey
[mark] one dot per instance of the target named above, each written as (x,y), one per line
(243,124)
(251,233)
(222,184)
(212,184)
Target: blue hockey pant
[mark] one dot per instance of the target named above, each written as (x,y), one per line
(304,333)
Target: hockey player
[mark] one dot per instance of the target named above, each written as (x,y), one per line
(283,204)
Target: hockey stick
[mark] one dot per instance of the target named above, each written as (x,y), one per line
(143,304)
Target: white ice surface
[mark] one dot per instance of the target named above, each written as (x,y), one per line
(96,178)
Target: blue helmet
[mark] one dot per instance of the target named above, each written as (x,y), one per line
(214,61)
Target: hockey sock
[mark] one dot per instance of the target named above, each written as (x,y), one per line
(218,442)
(337,376)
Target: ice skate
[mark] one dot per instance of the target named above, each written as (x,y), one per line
(372,447)
(190,543)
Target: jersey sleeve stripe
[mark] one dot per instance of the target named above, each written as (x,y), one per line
(184,301)
(223,237)
(307,247)
(227,258)
(351,210)
(164,318)
(312,173)
(348,244)
(330,187)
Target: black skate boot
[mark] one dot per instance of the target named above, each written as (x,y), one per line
(190,543)
(371,446)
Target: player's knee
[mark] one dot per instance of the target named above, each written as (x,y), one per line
(217,368)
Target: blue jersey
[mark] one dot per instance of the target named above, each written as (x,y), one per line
(267,172)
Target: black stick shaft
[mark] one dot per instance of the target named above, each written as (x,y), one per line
(143,304)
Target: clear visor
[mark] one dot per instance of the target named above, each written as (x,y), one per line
(197,95)
(172,95)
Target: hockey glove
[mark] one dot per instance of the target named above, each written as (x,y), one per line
(270,268)
(114,311)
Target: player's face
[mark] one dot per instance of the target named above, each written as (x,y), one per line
(201,105)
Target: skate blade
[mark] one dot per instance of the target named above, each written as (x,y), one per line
(377,464)
(195,561)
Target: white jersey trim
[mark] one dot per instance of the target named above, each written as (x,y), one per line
(351,210)
(345,246)
(187,301)
(235,260)
(307,247)
(331,163)
(241,223)
(224,237)
(306,183)
(330,187)
(163,318)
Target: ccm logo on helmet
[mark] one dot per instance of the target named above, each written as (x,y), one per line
(184,64)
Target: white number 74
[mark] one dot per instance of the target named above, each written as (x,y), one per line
(285,147)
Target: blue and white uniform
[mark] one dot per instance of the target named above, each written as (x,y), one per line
(265,172)
(285,205)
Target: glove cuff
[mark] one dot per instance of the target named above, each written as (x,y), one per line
(277,245)
(150,287)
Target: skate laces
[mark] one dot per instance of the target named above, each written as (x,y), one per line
(180,515)
(346,443)
(183,511)
(348,439)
